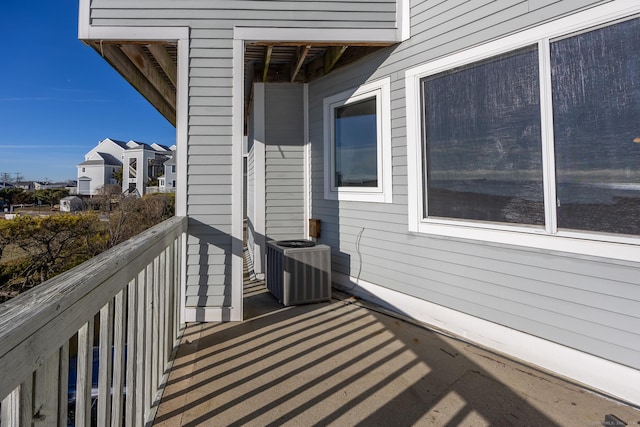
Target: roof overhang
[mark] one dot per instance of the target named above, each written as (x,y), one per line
(151,66)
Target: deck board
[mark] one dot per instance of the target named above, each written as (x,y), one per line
(342,363)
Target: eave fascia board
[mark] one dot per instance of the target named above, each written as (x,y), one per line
(329,35)
(135,33)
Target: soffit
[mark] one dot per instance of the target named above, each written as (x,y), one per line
(151,67)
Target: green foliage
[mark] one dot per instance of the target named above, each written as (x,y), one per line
(24,198)
(117,175)
(133,215)
(49,245)
(7,194)
(42,247)
(51,196)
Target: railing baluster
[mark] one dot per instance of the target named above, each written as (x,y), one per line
(84,374)
(132,354)
(10,412)
(155,323)
(148,326)
(119,349)
(140,349)
(45,392)
(106,364)
(63,385)
(171,302)
(162,310)
(26,402)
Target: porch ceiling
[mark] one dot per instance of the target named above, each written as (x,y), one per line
(151,67)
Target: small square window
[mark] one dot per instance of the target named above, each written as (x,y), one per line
(358,144)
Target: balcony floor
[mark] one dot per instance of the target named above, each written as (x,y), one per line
(345,364)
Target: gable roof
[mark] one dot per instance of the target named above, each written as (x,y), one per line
(103,159)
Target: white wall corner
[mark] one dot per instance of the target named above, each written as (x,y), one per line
(403,20)
(259,225)
(84,19)
(306,160)
(237,185)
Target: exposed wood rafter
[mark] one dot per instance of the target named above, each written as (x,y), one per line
(331,57)
(267,60)
(166,63)
(300,57)
(115,56)
(139,58)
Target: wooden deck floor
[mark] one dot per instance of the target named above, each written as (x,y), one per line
(344,364)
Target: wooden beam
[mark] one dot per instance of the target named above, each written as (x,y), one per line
(302,54)
(267,59)
(130,72)
(166,62)
(139,58)
(331,57)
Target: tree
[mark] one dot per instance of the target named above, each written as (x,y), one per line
(117,175)
(132,215)
(23,198)
(49,246)
(51,196)
(7,194)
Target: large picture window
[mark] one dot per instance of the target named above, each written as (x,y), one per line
(358,144)
(537,134)
(596,121)
(483,155)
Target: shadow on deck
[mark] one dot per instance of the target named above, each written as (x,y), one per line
(341,363)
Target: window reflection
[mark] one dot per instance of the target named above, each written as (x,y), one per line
(356,145)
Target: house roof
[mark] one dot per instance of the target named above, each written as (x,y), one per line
(263,62)
(104,159)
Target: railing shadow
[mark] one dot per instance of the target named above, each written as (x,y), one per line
(336,363)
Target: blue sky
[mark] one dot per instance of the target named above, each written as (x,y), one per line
(58,97)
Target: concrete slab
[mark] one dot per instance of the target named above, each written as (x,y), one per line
(343,364)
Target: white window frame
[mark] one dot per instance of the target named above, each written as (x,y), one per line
(549,237)
(382,193)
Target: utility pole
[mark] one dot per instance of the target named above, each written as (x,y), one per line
(5,177)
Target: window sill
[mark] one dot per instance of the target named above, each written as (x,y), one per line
(626,248)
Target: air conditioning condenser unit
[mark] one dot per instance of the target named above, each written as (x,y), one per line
(299,271)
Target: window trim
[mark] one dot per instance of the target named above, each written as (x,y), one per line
(381,91)
(549,238)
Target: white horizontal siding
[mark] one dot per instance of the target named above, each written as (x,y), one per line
(284,168)
(587,303)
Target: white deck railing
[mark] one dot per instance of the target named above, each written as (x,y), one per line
(123,306)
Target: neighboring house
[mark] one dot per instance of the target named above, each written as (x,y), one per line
(109,155)
(167,182)
(96,172)
(25,185)
(46,185)
(474,164)
(142,164)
